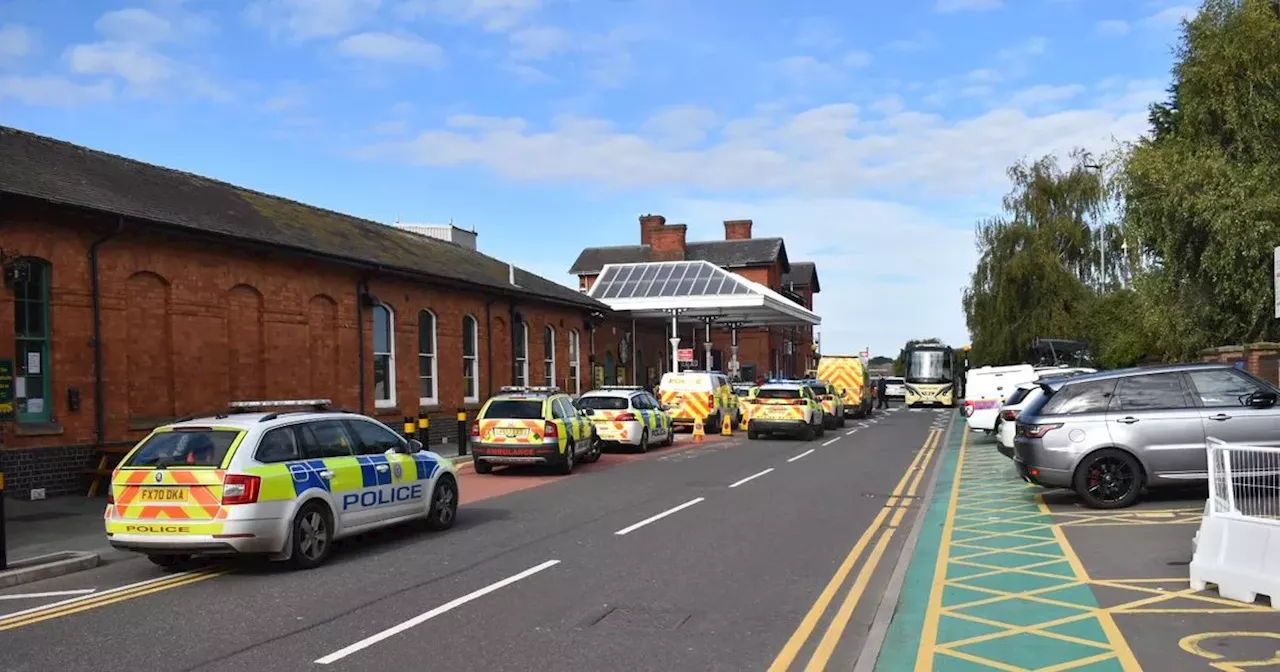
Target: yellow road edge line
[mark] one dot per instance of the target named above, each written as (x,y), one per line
(98,597)
(897,517)
(840,621)
(87,605)
(929,632)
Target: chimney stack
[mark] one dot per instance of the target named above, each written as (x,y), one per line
(647,224)
(737,229)
(668,243)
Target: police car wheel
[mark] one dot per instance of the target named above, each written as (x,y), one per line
(482,467)
(644,442)
(840,422)
(169,561)
(312,536)
(444,504)
(671,436)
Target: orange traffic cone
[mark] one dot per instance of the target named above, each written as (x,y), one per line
(698,432)
(726,426)
(746,419)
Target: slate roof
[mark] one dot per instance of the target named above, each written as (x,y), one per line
(724,253)
(803,274)
(59,172)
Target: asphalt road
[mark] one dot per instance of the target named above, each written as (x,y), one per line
(582,572)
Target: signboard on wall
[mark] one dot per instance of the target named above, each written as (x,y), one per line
(684,354)
(7,396)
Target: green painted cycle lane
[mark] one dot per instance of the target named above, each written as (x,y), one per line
(992,583)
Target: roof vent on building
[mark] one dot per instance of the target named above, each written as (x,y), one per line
(511,274)
(446,232)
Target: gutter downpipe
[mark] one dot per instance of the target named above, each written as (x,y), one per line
(99,404)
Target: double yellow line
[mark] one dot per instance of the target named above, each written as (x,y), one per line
(903,495)
(105,598)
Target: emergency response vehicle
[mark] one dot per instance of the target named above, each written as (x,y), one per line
(786,407)
(745,392)
(532,425)
(627,415)
(848,374)
(694,395)
(281,483)
(832,404)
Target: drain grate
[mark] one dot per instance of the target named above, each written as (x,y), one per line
(643,618)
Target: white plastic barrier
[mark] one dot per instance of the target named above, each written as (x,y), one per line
(1238,545)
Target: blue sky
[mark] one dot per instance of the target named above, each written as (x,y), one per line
(871,135)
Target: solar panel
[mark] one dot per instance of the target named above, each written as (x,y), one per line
(666,279)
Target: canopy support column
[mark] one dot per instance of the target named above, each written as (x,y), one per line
(706,345)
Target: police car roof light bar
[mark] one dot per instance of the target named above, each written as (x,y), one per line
(283,403)
(543,389)
(621,387)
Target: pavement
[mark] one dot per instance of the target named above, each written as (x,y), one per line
(1008,576)
(725,555)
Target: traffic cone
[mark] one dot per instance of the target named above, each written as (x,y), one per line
(746,419)
(726,426)
(698,431)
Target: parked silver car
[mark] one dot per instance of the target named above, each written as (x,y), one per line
(1109,435)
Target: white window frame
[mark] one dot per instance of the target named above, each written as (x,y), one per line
(390,354)
(434,397)
(471,362)
(522,361)
(549,363)
(575,373)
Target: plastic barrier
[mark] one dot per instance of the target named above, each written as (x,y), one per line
(1238,545)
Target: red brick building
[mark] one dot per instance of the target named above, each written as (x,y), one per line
(134,294)
(762,351)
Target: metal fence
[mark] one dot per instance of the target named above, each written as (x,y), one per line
(1244,481)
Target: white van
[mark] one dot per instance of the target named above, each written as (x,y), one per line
(986,388)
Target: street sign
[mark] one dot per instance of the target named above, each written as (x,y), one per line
(684,354)
(6,390)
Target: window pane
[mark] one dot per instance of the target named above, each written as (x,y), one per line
(469,377)
(511,409)
(1222,388)
(426,377)
(549,343)
(1150,392)
(278,445)
(373,438)
(1093,397)
(381,377)
(203,448)
(381,329)
(468,336)
(522,340)
(426,333)
(327,438)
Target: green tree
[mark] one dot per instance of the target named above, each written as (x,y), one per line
(1202,193)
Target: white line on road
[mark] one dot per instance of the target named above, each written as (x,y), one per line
(56,593)
(863,425)
(160,579)
(850,432)
(423,618)
(751,477)
(658,517)
(800,455)
(831,441)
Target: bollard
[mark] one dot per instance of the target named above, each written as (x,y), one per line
(424,429)
(4,559)
(463,434)
(410,427)
(726,425)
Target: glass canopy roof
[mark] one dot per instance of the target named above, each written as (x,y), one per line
(694,290)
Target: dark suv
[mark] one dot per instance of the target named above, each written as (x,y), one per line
(1108,435)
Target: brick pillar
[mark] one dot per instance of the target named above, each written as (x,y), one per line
(647,224)
(668,243)
(737,229)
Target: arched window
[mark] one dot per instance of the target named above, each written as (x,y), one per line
(549,356)
(470,359)
(427,378)
(384,356)
(522,354)
(31,331)
(575,375)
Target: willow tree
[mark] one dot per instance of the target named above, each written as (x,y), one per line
(1202,193)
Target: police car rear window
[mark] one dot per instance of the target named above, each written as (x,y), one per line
(778,393)
(514,409)
(197,447)
(603,403)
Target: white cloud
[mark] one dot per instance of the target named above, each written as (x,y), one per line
(920,42)
(1170,16)
(1042,94)
(300,20)
(1113,28)
(855,60)
(136,64)
(392,48)
(682,126)
(49,91)
(16,42)
(1032,46)
(291,96)
(953,6)
(390,127)
(538,42)
(492,15)
(134,25)
(818,33)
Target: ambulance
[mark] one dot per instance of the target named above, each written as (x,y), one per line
(698,395)
(532,425)
(849,376)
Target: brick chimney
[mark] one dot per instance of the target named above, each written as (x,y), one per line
(647,224)
(668,243)
(737,229)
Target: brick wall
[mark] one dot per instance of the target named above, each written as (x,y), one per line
(189,326)
(1260,359)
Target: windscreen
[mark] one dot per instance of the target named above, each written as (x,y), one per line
(778,393)
(196,447)
(1017,396)
(928,366)
(742,391)
(603,403)
(514,409)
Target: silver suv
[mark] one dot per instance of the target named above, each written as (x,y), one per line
(1108,435)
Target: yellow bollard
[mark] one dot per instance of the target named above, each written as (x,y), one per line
(726,426)
(746,420)
(698,432)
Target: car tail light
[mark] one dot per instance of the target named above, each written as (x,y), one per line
(799,402)
(1009,416)
(240,489)
(550,431)
(624,417)
(1037,431)
(475,429)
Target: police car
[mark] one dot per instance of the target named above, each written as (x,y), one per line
(532,425)
(283,483)
(786,407)
(627,415)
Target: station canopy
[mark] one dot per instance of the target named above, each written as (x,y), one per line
(698,289)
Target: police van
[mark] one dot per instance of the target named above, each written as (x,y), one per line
(283,483)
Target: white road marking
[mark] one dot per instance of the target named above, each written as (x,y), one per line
(800,455)
(423,618)
(751,477)
(56,593)
(131,586)
(850,432)
(831,441)
(660,516)
(863,425)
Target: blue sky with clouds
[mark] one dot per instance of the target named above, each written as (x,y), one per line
(870,135)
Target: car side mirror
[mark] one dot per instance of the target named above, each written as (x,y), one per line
(587,411)
(1262,399)
(415,446)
